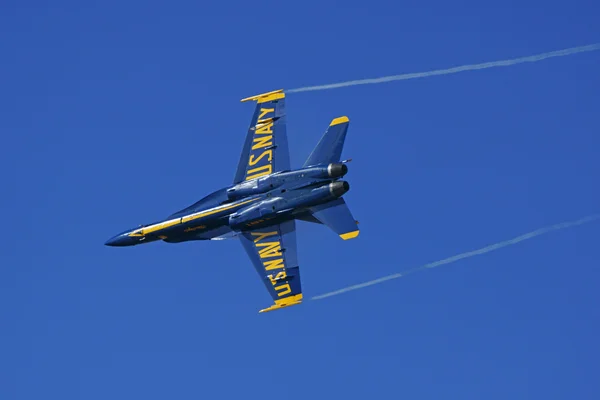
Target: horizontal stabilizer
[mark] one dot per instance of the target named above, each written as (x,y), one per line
(337,216)
(309,218)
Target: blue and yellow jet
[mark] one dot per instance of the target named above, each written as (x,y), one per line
(265,200)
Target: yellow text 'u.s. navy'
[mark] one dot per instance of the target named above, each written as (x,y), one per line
(261,155)
(271,253)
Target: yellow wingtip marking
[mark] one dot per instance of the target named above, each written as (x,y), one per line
(339,120)
(276,94)
(350,235)
(271,97)
(287,302)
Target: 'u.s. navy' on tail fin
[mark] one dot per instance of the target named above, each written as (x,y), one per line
(337,216)
(329,148)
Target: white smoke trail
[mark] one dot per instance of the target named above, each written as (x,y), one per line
(468,254)
(454,70)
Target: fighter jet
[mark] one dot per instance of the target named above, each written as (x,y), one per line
(265,199)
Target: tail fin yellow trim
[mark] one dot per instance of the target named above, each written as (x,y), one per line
(287,302)
(275,94)
(339,120)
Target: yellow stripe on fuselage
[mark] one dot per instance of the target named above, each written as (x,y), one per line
(172,222)
(215,210)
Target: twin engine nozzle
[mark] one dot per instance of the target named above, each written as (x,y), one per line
(336,170)
(267,183)
(337,189)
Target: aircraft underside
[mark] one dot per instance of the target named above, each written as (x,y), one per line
(266,198)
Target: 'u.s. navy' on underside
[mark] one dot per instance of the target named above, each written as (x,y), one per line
(264,201)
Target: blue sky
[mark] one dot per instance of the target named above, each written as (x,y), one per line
(117,113)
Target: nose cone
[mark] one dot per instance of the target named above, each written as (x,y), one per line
(121,240)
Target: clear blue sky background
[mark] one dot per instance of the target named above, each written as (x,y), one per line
(117,113)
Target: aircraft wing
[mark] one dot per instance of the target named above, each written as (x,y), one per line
(265,149)
(272,251)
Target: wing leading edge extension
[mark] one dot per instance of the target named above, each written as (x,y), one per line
(273,253)
(265,149)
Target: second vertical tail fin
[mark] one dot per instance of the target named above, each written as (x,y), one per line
(329,148)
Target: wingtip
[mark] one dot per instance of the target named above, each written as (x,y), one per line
(282,303)
(264,97)
(278,306)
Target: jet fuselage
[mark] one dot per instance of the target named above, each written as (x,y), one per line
(264,201)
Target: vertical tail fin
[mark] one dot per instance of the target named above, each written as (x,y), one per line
(329,148)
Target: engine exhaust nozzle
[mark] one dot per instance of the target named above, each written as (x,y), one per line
(338,188)
(336,170)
